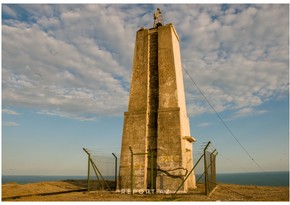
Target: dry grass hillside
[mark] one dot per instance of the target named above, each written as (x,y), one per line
(74,190)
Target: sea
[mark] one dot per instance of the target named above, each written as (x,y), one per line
(258,178)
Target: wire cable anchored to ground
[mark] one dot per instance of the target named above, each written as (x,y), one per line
(222,121)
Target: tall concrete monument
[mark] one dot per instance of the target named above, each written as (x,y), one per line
(156,116)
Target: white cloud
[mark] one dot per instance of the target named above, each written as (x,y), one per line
(204,124)
(247,112)
(10,112)
(242,62)
(66,115)
(75,60)
(60,69)
(10,124)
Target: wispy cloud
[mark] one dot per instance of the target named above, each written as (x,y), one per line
(66,115)
(10,112)
(238,55)
(10,124)
(237,59)
(204,124)
(247,112)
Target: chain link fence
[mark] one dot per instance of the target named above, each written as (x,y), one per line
(205,168)
(210,171)
(102,170)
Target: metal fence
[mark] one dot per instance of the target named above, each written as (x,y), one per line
(210,170)
(102,170)
(207,167)
(150,155)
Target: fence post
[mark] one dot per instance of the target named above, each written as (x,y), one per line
(211,180)
(89,167)
(132,169)
(213,173)
(205,169)
(116,167)
(214,167)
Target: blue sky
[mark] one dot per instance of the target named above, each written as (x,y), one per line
(66,73)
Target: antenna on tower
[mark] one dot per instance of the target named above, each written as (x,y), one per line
(158,18)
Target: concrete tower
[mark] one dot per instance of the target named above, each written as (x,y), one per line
(157,116)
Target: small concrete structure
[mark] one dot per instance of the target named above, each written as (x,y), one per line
(156,116)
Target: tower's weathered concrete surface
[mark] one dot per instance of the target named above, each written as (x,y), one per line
(157,115)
